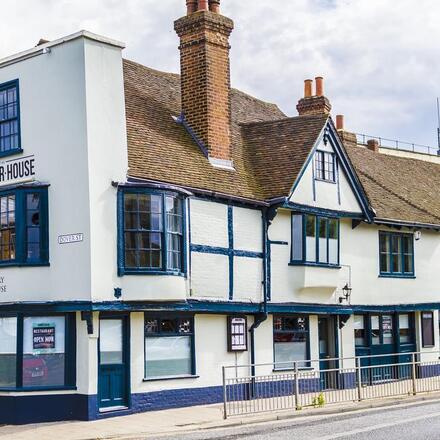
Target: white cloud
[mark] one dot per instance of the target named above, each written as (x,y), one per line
(379,57)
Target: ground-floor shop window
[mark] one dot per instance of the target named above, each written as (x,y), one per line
(37,352)
(169,347)
(428,329)
(291,341)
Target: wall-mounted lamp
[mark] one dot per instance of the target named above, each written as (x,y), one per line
(118,292)
(346,294)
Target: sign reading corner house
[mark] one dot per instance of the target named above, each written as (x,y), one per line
(17,170)
(70,238)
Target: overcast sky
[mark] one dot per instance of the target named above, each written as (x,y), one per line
(380,58)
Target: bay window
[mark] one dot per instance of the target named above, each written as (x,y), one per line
(24,227)
(315,240)
(169,347)
(291,340)
(37,352)
(151,235)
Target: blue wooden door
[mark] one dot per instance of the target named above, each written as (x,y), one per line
(113,388)
(327,332)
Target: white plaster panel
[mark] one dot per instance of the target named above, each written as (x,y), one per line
(152,287)
(248,277)
(248,235)
(326,193)
(209,223)
(209,275)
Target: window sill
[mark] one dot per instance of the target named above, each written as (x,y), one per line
(183,376)
(304,263)
(285,370)
(123,272)
(11,152)
(396,275)
(16,264)
(32,389)
(325,180)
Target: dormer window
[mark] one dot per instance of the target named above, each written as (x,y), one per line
(325,166)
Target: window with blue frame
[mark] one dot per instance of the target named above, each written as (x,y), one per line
(396,254)
(152,232)
(325,167)
(315,240)
(24,227)
(9,119)
(169,346)
(37,352)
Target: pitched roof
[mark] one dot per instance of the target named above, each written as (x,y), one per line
(398,188)
(160,149)
(279,149)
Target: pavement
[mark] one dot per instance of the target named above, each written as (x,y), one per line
(205,422)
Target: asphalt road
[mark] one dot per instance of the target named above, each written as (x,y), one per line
(421,421)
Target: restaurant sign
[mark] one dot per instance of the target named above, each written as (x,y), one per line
(17,170)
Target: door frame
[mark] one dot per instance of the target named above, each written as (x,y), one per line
(126,338)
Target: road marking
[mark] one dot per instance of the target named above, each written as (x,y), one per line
(379,426)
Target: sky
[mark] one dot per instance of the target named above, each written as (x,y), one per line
(380,58)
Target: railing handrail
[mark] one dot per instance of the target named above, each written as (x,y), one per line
(398,145)
(310,361)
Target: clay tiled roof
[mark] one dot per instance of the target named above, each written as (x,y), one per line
(160,149)
(399,188)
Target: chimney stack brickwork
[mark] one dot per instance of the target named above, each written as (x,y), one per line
(205,78)
(314,104)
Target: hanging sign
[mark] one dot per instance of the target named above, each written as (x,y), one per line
(17,170)
(237,333)
(43,337)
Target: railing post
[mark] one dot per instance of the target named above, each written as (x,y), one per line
(225,415)
(359,378)
(413,374)
(296,386)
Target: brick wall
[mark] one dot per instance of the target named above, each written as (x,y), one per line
(205,79)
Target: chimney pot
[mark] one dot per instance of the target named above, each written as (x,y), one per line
(308,88)
(203,5)
(339,122)
(373,145)
(191,6)
(214,6)
(319,86)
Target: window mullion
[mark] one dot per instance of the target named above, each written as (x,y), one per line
(20,225)
(165,233)
(19,354)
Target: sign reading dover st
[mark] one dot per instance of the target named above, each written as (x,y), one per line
(17,170)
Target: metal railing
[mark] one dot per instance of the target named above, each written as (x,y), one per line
(299,384)
(398,145)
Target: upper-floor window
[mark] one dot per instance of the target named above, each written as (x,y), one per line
(24,227)
(396,254)
(9,119)
(152,237)
(325,166)
(315,240)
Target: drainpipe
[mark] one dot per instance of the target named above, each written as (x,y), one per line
(260,317)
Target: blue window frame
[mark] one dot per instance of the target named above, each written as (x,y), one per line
(315,240)
(291,341)
(37,352)
(24,232)
(10,140)
(169,346)
(325,168)
(396,254)
(151,232)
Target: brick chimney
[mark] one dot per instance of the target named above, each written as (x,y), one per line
(316,104)
(205,77)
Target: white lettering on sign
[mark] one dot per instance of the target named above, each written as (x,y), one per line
(70,238)
(17,170)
